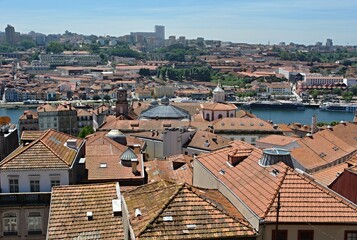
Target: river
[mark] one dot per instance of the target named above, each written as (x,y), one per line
(277,116)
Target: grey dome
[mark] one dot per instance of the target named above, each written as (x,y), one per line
(154,103)
(164,112)
(114,133)
(272,156)
(117,136)
(218,89)
(126,157)
(165,101)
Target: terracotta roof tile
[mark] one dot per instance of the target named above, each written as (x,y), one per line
(302,199)
(48,151)
(181,211)
(218,106)
(69,207)
(28,135)
(103,159)
(175,168)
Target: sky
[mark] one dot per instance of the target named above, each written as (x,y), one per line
(249,21)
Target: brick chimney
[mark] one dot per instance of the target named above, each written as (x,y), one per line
(134,165)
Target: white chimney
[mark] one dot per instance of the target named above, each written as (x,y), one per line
(116,204)
(72,143)
(90,216)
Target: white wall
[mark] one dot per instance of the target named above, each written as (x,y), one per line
(24,179)
(217,113)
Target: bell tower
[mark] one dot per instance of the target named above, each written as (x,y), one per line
(122,105)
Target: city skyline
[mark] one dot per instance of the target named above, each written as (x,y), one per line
(258,21)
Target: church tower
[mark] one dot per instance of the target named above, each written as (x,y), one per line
(122,105)
(219,96)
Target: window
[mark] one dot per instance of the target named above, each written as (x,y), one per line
(34,223)
(351,235)
(220,116)
(305,234)
(34,185)
(55,182)
(253,139)
(14,185)
(282,235)
(10,224)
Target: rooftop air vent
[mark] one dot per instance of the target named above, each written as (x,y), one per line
(89,216)
(167,219)
(272,156)
(309,135)
(116,204)
(138,213)
(72,143)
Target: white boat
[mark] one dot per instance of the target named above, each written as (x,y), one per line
(339,107)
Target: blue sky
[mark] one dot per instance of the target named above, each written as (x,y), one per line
(251,21)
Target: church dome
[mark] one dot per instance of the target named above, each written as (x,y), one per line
(218,89)
(165,101)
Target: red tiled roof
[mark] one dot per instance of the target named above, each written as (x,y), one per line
(69,207)
(48,151)
(103,159)
(196,213)
(257,187)
(219,106)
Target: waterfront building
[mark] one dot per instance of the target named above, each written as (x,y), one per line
(28,121)
(218,109)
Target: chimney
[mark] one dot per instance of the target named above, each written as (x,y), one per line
(134,165)
(116,204)
(235,157)
(72,143)
(314,124)
(89,216)
(137,148)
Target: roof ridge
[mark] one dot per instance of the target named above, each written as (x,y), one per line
(162,209)
(276,192)
(5,160)
(209,201)
(145,186)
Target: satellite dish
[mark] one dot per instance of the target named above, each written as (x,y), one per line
(4,120)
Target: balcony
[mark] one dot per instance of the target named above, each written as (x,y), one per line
(21,199)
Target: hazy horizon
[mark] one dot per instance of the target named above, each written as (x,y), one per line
(250,21)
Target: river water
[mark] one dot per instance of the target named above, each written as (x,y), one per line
(277,116)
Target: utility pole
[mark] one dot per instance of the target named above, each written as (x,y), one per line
(277,217)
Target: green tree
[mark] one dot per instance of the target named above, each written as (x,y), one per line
(107,97)
(85,131)
(144,72)
(353,89)
(54,47)
(347,96)
(26,44)
(96,97)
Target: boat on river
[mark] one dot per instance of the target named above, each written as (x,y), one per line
(271,105)
(339,107)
